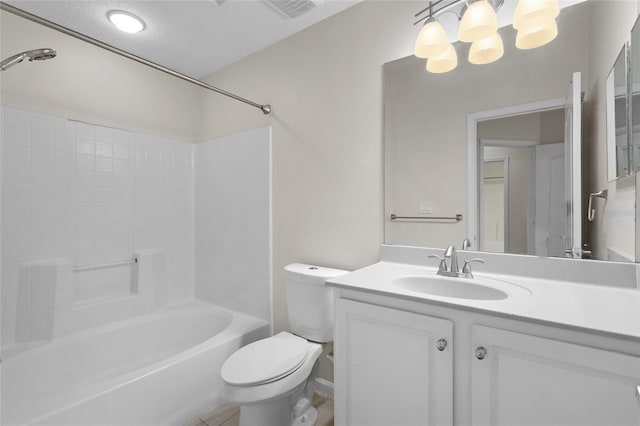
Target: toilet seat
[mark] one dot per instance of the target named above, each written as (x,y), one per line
(265,361)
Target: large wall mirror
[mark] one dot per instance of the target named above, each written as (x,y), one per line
(634,125)
(489,147)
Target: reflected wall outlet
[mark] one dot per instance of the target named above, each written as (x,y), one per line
(425,207)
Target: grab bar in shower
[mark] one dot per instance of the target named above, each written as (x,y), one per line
(457,217)
(105,265)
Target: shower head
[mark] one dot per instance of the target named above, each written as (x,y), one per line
(31,55)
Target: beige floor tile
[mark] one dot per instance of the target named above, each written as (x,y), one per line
(233,421)
(220,415)
(318,400)
(229,414)
(325,413)
(196,422)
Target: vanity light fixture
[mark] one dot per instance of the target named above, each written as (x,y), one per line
(125,21)
(528,11)
(443,62)
(478,21)
(537,33)
(535,21)
(432,40)
(486,50)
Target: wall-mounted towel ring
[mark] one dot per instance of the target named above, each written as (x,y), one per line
(591,214)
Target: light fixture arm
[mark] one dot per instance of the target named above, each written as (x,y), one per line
(432,12)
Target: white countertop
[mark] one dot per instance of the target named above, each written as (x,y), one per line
(603,309)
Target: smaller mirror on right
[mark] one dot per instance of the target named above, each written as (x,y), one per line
(634,127)
(617,123)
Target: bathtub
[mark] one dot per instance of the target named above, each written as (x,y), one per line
(157,369)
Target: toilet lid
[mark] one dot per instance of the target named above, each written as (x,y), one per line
(265,361)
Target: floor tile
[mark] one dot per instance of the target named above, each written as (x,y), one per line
(220,415)
(229,414)
(196,422)
(325,413)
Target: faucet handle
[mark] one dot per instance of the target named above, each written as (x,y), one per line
(443,264)
(466,269)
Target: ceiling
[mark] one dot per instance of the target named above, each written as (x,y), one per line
(194,37)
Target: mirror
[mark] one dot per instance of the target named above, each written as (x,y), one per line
(428,197)
(617,112)
(634,127)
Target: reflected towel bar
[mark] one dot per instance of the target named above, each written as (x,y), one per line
(457,217)
(105,265)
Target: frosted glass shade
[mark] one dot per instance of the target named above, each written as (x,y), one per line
(537,34)
(443,62)
(486,50)
(432,40)
(479,21)
(532,10)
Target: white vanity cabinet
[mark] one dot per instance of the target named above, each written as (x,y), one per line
(389,370)
(391,367)
(518,379)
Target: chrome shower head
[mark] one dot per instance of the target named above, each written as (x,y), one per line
(31,55)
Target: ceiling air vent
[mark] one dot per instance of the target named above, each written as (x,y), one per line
(293,8)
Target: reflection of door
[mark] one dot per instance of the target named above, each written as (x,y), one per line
(573,158)
(550,196)
(494,198)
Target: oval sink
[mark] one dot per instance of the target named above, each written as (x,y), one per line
(459,288)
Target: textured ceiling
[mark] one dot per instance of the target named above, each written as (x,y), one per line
(192,37)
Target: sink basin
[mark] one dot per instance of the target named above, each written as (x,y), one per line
(459,288)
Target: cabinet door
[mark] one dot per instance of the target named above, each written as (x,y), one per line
(528,380)
(391,368)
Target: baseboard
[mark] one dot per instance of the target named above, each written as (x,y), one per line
(324,387)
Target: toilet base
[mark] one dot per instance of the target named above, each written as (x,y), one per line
(292,409)
(276,413)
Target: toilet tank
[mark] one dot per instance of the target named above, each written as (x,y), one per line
(310,302)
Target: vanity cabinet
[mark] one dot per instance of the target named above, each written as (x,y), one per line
(517,379)
(389,369)
(392,367)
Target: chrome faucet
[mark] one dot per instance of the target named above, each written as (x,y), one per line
(449,264)
(451,255)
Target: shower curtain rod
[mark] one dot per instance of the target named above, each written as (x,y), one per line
(266,109)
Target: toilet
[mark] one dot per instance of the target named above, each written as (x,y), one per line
(272,379)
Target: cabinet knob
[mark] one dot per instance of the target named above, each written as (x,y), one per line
(441,344)
(481,352)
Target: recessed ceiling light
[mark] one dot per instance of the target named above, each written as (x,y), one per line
(125,21)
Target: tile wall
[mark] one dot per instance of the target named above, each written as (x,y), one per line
(93,195)
(233,222)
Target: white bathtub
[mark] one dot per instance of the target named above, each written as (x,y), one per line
(158,369)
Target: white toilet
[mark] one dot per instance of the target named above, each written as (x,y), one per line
(272,379)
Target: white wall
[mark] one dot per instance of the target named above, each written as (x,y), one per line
(233,222)
(325,86)
(90,84)
(93,195)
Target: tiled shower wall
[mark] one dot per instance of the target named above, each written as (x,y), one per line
(93,195)
(233,222)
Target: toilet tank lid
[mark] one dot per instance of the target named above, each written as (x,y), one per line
(311,273)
